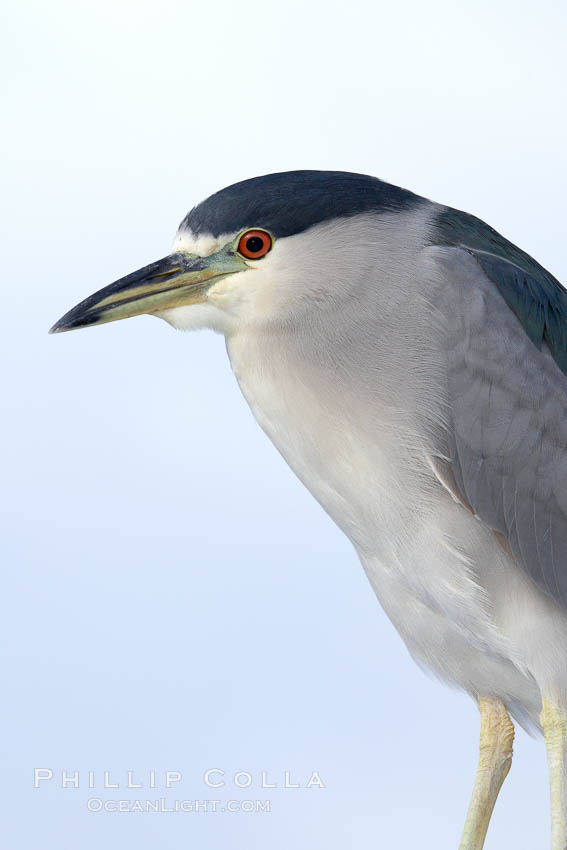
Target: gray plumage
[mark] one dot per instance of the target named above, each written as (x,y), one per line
(506,449)
(508,444)
(410,364)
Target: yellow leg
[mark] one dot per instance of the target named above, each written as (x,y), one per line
(496,740)
(554,722)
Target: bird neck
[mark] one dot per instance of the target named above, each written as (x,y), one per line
(345,410)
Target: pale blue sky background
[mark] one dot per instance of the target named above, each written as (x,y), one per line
(172,598)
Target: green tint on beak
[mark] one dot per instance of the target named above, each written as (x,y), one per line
(174,281)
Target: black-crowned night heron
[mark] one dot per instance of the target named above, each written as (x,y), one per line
(410,364)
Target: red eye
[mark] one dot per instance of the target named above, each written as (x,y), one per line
(254,244)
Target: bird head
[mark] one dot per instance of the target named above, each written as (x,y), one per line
(252,253)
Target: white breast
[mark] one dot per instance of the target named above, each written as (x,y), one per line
(418,547)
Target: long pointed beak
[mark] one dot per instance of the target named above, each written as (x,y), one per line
(176,280)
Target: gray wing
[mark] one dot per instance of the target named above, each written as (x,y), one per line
(507,404)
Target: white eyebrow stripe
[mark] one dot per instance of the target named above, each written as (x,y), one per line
(203,245)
